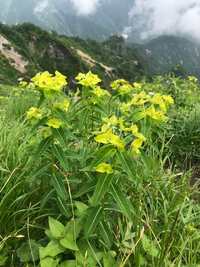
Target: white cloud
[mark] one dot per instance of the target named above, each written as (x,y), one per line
(41,6)
(157,17)
(85,7)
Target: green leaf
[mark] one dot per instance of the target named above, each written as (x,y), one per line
(62,115)
(59,186)
(42,99)
(104,153)
(146,126)
(100,109)
(56,227)
(74,227)
(106,234)
(59,134)
(82,118)
(62,205)
(41,169)
(92,221)
(112,208)
(69,134)
(85,90)
(88,187)
(39,123)
(127,165)
(72,155)
(81,209)
(50,262)
(68,263)
(43,145)
(68,242)
(138,116)
(46,197)
(3,259)
(52,249)
(59,153)
(101,188)
(120,199)
(29,251)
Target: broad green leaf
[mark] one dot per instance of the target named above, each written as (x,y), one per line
(28,251)
(127,165)
(3,259)
(72,179)
(68,242)
(81,209)
(46,197)
(68,263)
(52,249)
(74,227)
(120,199)
(104,153)
(50,262)
(62,115)
(101,188)
(59,186)
(59,134)
(43,145)
(82,118)
(92,221)
(59,153)
(62,205)
(56,227)
(41,169)
(88,187)
(106,234)
(149,247)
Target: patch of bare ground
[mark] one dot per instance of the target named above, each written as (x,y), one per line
(15,58)
(91,62)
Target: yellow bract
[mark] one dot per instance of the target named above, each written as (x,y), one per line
(88,79)
(111,138)
(50,85)
(55,123)
(103,167)
(33,114)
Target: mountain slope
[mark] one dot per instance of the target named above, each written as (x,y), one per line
(165,52)
(43,51)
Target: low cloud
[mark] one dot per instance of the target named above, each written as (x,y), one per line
(85,7)
(153,18)
(41,6)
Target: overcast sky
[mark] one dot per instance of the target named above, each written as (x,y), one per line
(155,17)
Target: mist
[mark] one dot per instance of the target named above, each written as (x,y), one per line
(85,7)
(153,18)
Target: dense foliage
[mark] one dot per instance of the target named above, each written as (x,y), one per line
(93,177)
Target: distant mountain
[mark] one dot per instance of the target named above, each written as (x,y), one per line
(27,49)
(170,53)
(109,19)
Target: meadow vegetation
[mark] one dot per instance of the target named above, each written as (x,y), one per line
(93,177)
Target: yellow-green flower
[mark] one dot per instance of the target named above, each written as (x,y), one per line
(111,121)
(191,228)
(111,138)
(55,123)
(103,167)
(137,85)
(33,114)
(63,105)
(192,78)
(88,79)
